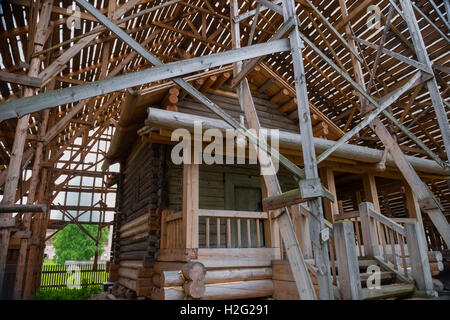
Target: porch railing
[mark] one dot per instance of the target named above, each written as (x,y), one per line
(223,229)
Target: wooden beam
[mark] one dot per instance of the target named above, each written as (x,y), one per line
(11,109)
(23,208)
(20,79)
(190,205)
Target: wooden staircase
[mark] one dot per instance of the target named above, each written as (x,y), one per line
(391,286)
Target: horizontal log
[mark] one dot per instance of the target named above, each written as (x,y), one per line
(141,287)
(168,279)
(172,293)
(133,239)
(239,290)
(134,223)
(160,267)
(133,255)
(23,208)
(177,254)
(287,140)
(134,231)
(136,264)
(241,274)
(174,278)
(237,257)
(136,274)
(139,246)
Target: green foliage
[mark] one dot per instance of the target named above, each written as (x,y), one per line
(73,244)
(67,294)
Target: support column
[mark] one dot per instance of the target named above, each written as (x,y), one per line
(370,190)
(347,261)
(190,205)
(14,167)
(331,208)
(317,225)
(418,257)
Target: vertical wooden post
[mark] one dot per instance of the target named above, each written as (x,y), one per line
(370,190)
(298,266)
(14,167)
(347,261)
(190,205)
(412,205)
(317,225)
(331,208)
(371,246)
(418,257)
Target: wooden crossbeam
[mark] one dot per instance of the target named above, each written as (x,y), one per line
(20,79)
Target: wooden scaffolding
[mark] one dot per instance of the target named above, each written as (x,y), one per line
(375,74)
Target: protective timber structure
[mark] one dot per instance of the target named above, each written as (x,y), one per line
(337,68)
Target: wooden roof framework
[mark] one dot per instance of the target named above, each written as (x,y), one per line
(39,54)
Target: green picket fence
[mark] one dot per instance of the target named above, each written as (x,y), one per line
(55,277)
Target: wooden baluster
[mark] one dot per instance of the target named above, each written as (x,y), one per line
(228,233)
(249,238)
(258,234)
(169,234)
(402,250)
(218,232)
(392,240)
(207,231)
(175,234)
(383,239)
(358,236)
(163,230)
(332,258)
(239,233)
(178,234)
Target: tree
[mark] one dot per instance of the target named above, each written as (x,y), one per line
(73,244)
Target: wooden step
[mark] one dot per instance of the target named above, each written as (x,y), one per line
(388,291)
(385,276)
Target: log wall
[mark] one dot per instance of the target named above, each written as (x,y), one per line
(137,223)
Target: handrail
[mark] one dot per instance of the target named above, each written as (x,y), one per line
(173,216)
(387,222)
(232,214)
(347,215)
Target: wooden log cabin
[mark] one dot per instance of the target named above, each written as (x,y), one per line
(357,91)
(170,216)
